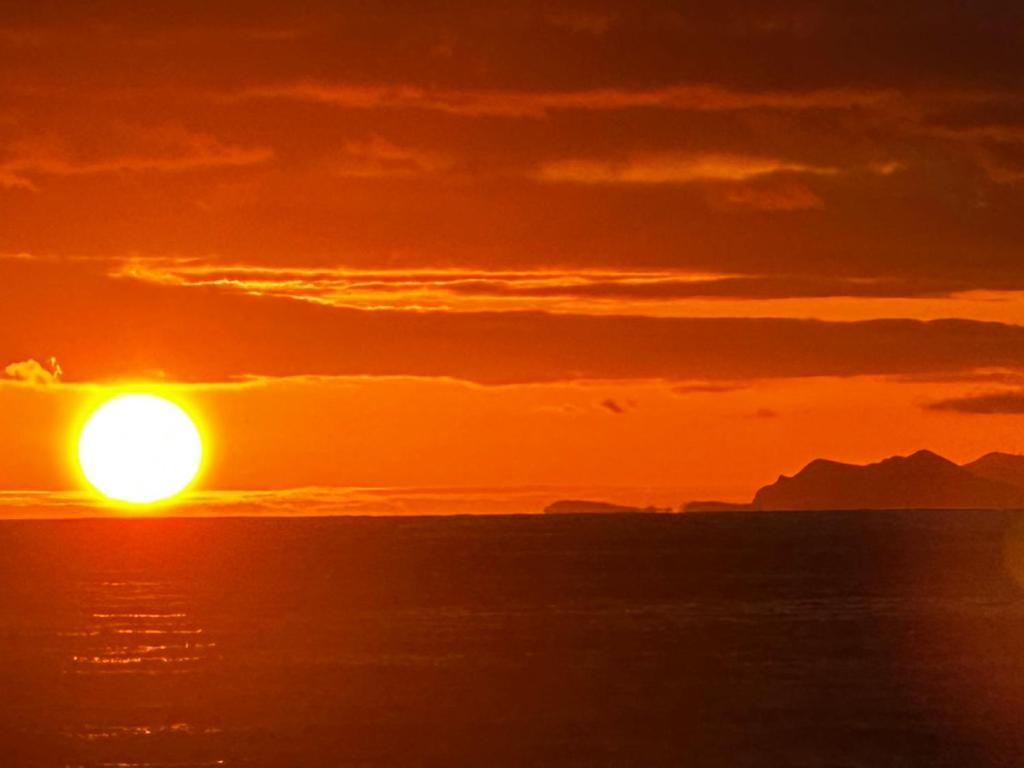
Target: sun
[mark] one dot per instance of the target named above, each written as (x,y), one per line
(139,448)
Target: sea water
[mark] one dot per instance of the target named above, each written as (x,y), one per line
(733,639)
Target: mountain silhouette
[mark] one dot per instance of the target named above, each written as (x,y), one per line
(923,480)
(1004,467)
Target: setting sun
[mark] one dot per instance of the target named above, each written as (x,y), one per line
(139,448)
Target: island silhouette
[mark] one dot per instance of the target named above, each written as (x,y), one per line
(582,507)
(922,480)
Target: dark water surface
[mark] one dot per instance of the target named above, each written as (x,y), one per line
(769,639)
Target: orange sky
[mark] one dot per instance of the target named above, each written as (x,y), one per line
(472,257)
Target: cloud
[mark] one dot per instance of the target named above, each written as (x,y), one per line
(376,157)
(990,403)
(167,150)
(668,287)
(448,186)
(995,145)
(673,168)
(521,103)
(788,43)
(33,373)
(11,179)
(596,290)
(105,327)
(686,168)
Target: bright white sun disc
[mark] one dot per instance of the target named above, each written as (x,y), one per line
(139,449)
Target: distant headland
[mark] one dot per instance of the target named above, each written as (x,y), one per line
(922,480)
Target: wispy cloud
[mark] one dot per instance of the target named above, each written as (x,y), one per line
(673,168)
(376,157)
(465,289)
(168,151)
(513,103)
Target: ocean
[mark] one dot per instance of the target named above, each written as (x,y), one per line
(735,639)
